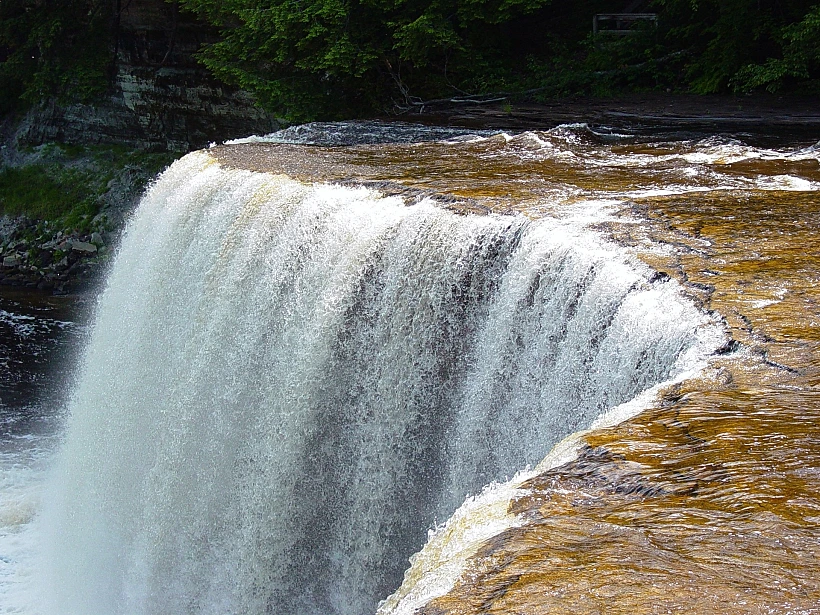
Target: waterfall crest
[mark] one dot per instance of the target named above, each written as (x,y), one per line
(288,385)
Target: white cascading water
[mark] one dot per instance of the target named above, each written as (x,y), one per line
(288,385)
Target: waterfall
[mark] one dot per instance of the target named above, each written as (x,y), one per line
(287,385)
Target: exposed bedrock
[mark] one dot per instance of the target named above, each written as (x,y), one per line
(161,99)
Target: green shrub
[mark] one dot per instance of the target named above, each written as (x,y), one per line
(65,188)
(799,61)
(37,193)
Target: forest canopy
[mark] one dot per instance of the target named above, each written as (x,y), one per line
(308,59)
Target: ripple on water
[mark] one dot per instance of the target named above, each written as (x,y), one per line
(708,501)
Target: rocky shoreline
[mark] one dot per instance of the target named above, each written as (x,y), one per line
(36,256)
(66,251)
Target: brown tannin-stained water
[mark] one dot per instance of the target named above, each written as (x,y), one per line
(708,501)
(314,345)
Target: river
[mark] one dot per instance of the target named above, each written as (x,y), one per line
(40,338)
(308,355)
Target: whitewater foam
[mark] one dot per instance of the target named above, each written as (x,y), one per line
(289,384)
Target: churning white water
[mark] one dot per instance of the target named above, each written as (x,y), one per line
(288,385)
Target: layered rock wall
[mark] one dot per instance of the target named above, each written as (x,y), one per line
(161,98)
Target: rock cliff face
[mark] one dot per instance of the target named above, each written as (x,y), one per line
(161,98)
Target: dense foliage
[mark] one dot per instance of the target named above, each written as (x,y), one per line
(308,58)
(338,58)
(736,44)
(797,62)
(58,48)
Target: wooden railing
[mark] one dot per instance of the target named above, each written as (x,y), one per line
(623,22)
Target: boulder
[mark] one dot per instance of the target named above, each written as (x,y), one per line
(84,247)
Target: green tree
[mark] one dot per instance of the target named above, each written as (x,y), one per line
(309,58)
(799,60)
(58,49)
(720,37)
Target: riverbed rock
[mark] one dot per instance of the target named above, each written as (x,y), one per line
(45,258)
(35,254)
(83,246)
